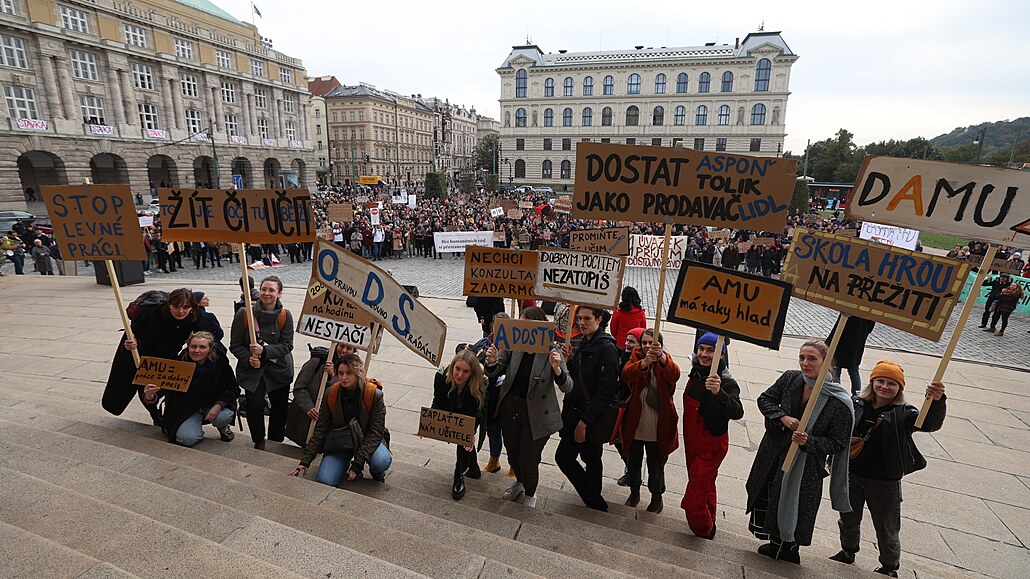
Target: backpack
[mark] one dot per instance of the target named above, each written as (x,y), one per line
(280,319)
(145,301)
(371,385)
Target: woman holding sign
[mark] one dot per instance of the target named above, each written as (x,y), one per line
(461,388)
(783,506)
(304,407)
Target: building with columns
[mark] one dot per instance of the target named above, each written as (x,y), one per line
(145,92)
(712,98)
(455,137)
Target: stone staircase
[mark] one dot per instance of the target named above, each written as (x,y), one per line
(86,494)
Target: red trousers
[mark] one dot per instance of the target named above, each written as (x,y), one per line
(704,455)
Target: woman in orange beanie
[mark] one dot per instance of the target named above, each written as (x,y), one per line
(882,452)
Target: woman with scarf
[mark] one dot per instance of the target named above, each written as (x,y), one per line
(304,407)
(783,505)
(461,388)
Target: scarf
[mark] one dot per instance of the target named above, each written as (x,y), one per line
(790,487)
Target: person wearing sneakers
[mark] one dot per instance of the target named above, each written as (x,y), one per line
(528,407)
(882,452)
(650,421)
(461,388)
(211,396)
(709,403)
(1003,307)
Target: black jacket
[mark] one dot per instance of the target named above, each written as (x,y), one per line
(716,410)
(458,402)
(595,368)
(213,382)
(894,437)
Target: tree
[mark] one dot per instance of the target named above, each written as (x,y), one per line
(485,153)
(467,183)
(436,184)
(799,202)
(491,183)
(834,160)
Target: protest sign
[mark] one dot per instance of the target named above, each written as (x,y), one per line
(455,241)
(401,198)
(1022,306)
(579,278)
(499,237)
(646,251)
(661,184)
(719,234)
(505,273)
(379,295)
(531,336)
(146,220)
(496,212)
(240,216)
(93,222)
(447,426)
(762,241)
(984,203)
(412,200)
(731,303)
(373,214)
(525,204)
(514,214)
(525,239)
(341,212)
(890,235)
(562,204)
(173,375)
(913,292)
(506,204)
(1011,267)
(611,241)
(328,316)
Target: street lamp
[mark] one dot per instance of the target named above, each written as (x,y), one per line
(980,136)
(510,178)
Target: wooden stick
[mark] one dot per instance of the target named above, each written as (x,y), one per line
(245,285)
(121,308)
(571,322)
(376,331)
(718,356)
(513,301)
(817,389)
(967,309)
(661,282)
(321,391)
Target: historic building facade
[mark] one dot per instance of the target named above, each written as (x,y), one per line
(454,137)
(712,98)
(145,92)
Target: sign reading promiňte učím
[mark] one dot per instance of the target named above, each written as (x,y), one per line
(495,272)
(94,221)
(447,426)
(237,216)
(328,316)
(530,336)
(913,292)
(661,184)
(174,375)
(610,241)
(579,278)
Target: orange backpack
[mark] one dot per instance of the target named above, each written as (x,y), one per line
(371,385)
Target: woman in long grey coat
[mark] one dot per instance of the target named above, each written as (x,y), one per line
(528,407)
(267,366)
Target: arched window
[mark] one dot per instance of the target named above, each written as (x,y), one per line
(762,73)
(566,169)
(702,116)
(659,84)
(724,115)
(606,117)
(520,117)
(568,86)
(548,117)
(727,81)
(681,116)
(520,84)
(549,87)
(588,86)
(632,116)
(609,85)
(545,169)
(704,82)
(520,169)
(681,82)
(566,117)
(658,118)
(758,114)
(588,117)
(633,84)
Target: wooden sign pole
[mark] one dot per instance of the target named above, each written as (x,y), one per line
(121,308)
(571,322)
(967,309)
(817,389)
(661,282)
(376,331)
(245,286)
(321,390)
(718,356)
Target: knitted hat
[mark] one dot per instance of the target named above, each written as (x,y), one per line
(709,339)
(198,296)
(885,369)
(636,333)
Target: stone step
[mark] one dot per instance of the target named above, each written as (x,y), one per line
(28,555)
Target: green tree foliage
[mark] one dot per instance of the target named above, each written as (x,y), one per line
(467,183)
(436,185)
(834,160)
(799,202)
(485,152)
(999,136)
(491,183)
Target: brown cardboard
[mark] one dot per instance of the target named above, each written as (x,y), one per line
(174,375)
(447,426)
(496,272)
(237,216)
(94,221)
(610,241)
(532,336)
(341,212)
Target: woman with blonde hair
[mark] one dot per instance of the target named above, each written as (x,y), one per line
(461,388)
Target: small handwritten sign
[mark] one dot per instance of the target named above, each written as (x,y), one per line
(341,212)
(530,336)
(610,241)
(446,426)
(173,375)
(504,273)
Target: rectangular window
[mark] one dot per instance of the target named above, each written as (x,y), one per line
(92,110)
(21,102)
(232,125)
(183,48)
(148,116)
(631,141)
(352,117)
(263,128)
(289,103)
(566,144)
(189,85)
(13,52)
(223,59)
(228,92)
(193,122)
(260,98)
(7,6)
(142,76)
(257,68)
(73,19)
(520,144)
(720,144)
(656,142)
(291,132)
(84,65)
(286,75)
(756,145)
(699,144)
(677,142)
(135,36)
(547,144)
(606,139)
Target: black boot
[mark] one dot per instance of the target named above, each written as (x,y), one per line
(789,553)
(886,571)
(458,488)
(842,556)
(769,550)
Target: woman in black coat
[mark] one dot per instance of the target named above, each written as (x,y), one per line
(160,331)
(461,389)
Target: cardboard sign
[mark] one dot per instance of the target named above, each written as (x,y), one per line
(456,241)
(146,220)
(913,292)
(579,278)
(379,295)
(173,375)
(341,212)
(662,184)
(526,204)
(373,214)
(500,237)
(514,214)
(997,265)
(742,306)
(497,212)
(531,336)
(983,203)
(525,239)
(328,316)
(762,241)
(94,221)
(496,272)
(890,235)
(562,204)
(611,241)
(646,251)
(447,426)
(719,234)
(239,216)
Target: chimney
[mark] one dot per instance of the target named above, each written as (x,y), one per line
(737,43)
(639,47)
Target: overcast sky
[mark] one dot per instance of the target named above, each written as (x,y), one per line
(881,69)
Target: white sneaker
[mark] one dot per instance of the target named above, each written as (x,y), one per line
(514,491)
(530,501)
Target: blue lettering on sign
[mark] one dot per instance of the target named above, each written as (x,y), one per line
(321,264)
(404,301)
(502,336)
(372,278)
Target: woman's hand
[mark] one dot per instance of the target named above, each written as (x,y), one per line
(329,368)
(300,471)
(313,414)
(351,475)
(130,345)
(935,390)
(800,437)
(556,362)
(255,361)
(581,432)
(491,355)
(713,384)
(470,449)
(213,412)
(790,423)
(566,350)
(150,392)
(257,350)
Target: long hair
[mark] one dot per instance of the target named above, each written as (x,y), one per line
(183,297)
(353,361)
(868,394)
(534,313)
(476,381)
(630,298)
(212,353)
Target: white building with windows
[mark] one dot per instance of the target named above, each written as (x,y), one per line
(714,98)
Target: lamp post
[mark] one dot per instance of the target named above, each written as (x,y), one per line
(510,178)
(980,141)
(214,151)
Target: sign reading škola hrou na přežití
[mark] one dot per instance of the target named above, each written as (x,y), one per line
(94,221)
(661,184)
(237,216)
(913,292)
(984,203)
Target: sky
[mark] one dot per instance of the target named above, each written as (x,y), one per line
(880,69)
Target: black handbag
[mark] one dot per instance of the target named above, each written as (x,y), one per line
(338,440)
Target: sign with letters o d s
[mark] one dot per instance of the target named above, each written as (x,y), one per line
(94,221)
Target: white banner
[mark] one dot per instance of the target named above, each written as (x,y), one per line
(646,251)
(335,331)
(455,241)
(889,235)
(146,220)
(579,278)
(411,200)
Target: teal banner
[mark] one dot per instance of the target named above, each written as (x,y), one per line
(1024,304)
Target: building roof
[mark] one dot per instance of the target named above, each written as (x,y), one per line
(210,8)
(321,85)
(365,90)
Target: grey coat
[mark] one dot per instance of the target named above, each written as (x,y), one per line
(541,401)
(276,361)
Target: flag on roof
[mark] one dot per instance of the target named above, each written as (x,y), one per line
(255,8)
